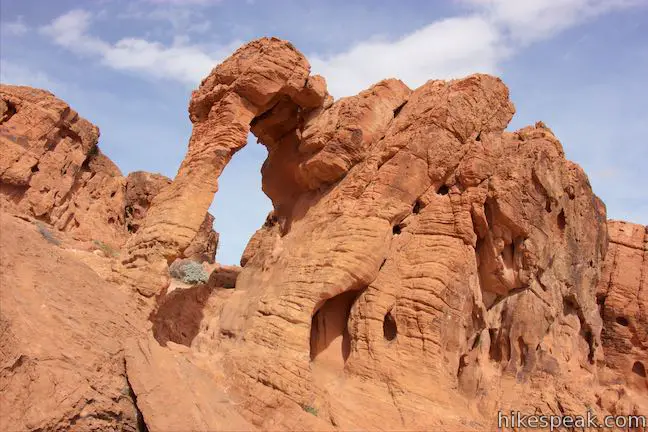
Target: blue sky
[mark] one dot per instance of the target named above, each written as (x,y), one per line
(129,67)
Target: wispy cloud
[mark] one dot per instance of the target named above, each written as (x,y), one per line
(182,19)
(183,2)
(478,40)
(181,61)
(447,48)
(488,32)
(70,31)
(14,28)
(528,21)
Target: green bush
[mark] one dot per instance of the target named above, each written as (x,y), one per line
(189,272)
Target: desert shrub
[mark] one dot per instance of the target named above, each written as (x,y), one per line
(106,249)
(309,409)
(189,272)
(47,234)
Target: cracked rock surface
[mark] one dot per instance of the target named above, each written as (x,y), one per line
(422,267)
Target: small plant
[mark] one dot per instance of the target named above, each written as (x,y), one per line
(106,249)
(189,272)
(309,409)
(47,234)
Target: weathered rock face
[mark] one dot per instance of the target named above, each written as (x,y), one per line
(419,259)
(623,298)
(52,169)
(222,109)
(61,339)
(421,268)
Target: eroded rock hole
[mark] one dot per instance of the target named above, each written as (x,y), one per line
(562,221)
(589,338)
(330,342)
(621,320)
(390,330)
(478,137)
(7,110)
(600,301)
(494,353)
(462,364)
(571,306)
(639,369)
(443,190)
(397,229)
(399,109)
(417,207)
(34,169)
(523,351)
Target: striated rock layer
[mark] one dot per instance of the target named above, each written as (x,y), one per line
(623,298)
(62,330)
(52,169)
(422,268)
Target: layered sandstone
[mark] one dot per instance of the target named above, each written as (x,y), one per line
(265,75)
(62,330)
(623,299)
(422,267)
(416,250)
(52,169)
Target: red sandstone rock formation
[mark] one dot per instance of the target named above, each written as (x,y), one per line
(623,299)
(421,269)
(62,332)
(52,169)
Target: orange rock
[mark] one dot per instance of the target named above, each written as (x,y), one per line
(52,169)
(422,268)
(62,333)
(622,296)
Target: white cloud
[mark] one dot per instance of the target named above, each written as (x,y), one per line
(490,31)
(443,49)
(532,20)
(180,61)
(183,2)
(70,31)
(477,41)
(183,63)
(182,19)
(14,28)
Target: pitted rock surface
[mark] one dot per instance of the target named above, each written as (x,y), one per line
(422,267)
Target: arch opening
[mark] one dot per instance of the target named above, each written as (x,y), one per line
(240,207)
(330,341)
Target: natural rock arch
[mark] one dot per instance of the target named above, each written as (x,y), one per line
(263,80)
(420,200)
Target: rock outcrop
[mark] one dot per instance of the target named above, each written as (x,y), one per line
(413,242)
(62,330)
(623,299)
(52,169)
(236,93)
(422,268)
